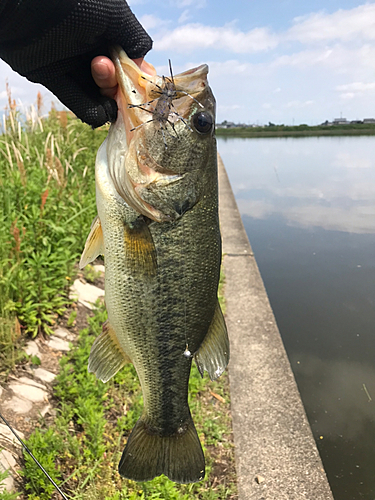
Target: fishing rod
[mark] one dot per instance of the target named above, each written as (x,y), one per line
(32,456)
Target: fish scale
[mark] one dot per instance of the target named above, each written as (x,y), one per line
(158,228)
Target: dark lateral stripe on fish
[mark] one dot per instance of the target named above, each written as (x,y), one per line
(174,380)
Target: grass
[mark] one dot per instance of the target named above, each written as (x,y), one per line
(5,495)
(10,353)
(47,203)
(90,274)
(82,446)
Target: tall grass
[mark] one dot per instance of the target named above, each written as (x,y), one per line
(47,203)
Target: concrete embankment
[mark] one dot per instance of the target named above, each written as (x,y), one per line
(276,455)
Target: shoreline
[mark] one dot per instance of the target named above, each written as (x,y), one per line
(249,134)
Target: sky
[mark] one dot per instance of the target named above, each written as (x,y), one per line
(285,61)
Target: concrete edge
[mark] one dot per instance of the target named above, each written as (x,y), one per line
(276,455)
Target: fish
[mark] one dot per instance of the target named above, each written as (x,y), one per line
(158,229)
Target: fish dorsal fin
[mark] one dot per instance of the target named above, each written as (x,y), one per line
(107,356)
(94,245)
(213,354)
(140,255)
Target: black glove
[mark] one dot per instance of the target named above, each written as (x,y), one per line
(53,42)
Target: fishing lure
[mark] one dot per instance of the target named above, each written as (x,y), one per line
(164,107)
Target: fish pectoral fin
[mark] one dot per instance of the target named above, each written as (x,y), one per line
(107,356)
(213,354)
(140,252)
(170,195)
(179,456)
(94,245)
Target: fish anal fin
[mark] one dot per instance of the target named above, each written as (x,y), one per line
(213,354)
(107,356)
(140,253)
(94,245)
(179,456)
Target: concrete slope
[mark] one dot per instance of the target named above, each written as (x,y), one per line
(276,455)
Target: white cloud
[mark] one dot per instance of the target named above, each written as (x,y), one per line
(356,87)
(229,68)
(224,107)
(299,104)
(344,25)
(347,95)
(181,4)
(341,26)
(185,16)
(304,58)
(352,90)
(197,36)
(149,22)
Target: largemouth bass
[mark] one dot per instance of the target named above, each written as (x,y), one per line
(158,229)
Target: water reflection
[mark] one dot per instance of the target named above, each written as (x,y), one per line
(308,206)
(324,182)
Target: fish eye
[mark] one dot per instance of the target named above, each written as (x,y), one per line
(203,122)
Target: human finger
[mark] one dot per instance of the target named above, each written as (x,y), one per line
(103,73)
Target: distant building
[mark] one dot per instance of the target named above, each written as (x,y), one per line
(340,121)
(226,124)
(369,120)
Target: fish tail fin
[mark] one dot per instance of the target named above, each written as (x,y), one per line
(178,456)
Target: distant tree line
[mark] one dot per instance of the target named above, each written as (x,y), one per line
(349,128)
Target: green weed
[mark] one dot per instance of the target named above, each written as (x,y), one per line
(72,318)
(35,360)
(47,203)
(90,274)
(5,495)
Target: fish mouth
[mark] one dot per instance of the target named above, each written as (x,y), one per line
(140,90)
(131,166)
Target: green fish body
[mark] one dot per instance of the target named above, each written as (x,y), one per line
(158,229)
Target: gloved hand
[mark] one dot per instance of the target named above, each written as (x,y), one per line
(53,42)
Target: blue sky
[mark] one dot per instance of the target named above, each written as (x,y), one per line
(290,61)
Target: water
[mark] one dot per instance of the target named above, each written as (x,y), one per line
(308,206)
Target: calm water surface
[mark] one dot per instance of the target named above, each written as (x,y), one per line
(308,206)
